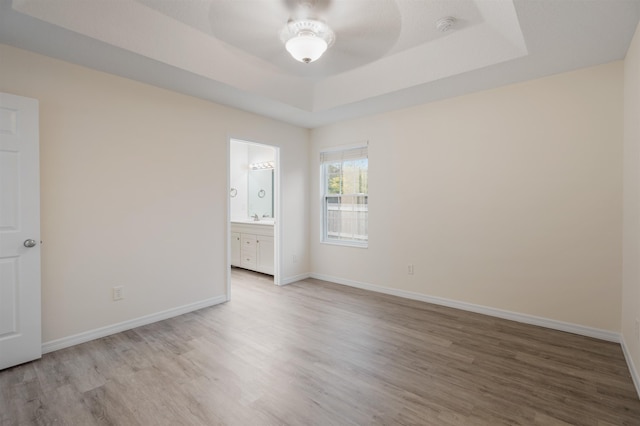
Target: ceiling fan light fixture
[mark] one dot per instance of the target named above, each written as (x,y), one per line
(306,47)
(306,40)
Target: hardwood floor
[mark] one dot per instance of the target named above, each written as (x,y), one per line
(315,353)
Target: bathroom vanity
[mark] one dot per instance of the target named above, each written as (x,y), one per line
(252,245)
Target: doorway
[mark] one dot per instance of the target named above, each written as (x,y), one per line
(254,210)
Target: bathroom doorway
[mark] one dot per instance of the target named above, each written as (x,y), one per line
(254,213)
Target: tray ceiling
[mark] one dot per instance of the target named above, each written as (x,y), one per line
(388,54)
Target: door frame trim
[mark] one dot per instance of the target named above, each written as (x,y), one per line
(277,229)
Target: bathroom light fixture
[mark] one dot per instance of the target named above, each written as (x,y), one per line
(262,166)
(306,39)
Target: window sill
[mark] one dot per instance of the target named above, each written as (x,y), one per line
(363,245)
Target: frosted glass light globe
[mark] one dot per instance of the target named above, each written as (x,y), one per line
(306,47)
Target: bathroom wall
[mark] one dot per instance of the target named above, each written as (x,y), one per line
(238,168)
(261,153)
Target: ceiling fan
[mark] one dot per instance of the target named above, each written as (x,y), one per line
(306,36)
(333,36)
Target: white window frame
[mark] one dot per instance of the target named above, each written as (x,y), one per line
(340,154)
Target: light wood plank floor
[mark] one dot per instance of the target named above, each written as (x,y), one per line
(315,353)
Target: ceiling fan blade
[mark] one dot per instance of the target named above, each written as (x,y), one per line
(302,9)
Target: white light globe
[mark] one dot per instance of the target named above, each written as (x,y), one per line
(306,47)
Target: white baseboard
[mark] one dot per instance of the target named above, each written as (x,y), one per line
(632,368)
(97,333)
(494,312)
(294,279)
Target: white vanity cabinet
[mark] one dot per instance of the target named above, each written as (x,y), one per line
(252,246)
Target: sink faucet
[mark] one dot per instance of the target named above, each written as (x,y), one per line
(256,218)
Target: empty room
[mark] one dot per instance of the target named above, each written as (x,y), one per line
(320,212)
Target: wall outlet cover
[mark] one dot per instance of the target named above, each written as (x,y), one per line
(117,293)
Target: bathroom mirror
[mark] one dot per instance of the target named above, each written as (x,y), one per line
(261,193)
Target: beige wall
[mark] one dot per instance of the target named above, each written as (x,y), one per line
(134,192)
(509,198)
(631,257)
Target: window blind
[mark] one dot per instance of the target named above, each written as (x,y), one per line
(341,155)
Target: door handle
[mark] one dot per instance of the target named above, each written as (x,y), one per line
(29,243)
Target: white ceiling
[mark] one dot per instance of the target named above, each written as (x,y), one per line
(387,54)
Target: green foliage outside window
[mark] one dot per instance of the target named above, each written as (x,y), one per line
(349,177)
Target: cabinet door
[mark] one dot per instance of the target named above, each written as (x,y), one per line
(235,249)
(265,260)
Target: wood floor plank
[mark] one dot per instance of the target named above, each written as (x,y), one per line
(316,353)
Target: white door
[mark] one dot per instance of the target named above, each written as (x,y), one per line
(20,335)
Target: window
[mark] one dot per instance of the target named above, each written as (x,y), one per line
(345,200)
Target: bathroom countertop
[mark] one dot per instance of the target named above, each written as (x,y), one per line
(265,222)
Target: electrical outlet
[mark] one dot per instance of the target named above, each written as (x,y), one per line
(117,293)
(638,329)
(294,258)
(410,269)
